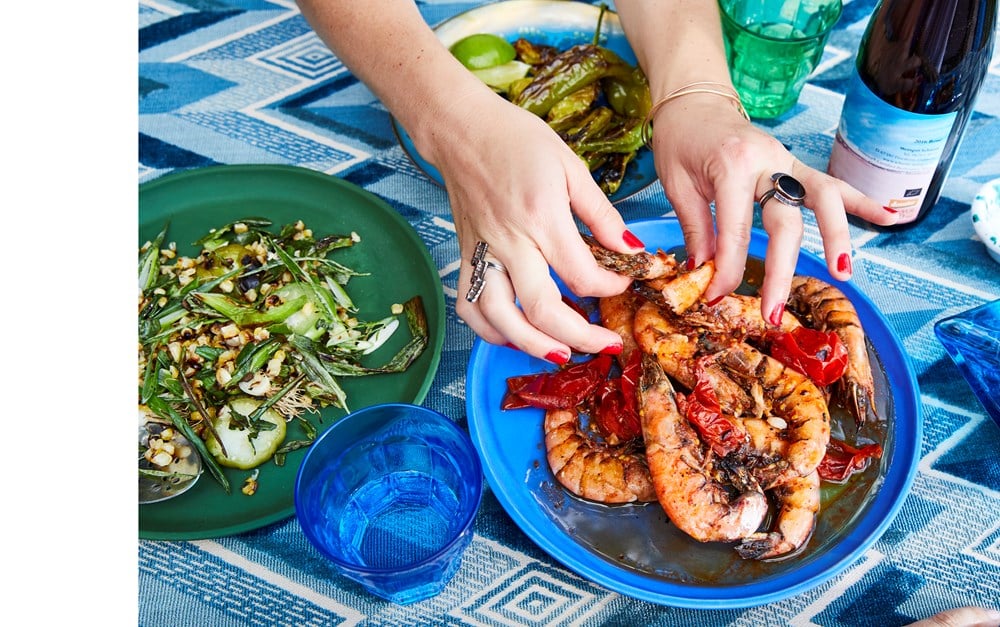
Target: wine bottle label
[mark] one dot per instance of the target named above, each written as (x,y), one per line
(887,153)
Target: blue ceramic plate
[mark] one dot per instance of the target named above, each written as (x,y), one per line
(552,22)
(632,549)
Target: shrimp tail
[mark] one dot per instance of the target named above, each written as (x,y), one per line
(799,499)
(857,398)
(757,545)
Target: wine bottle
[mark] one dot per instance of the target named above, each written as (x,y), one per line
(919,69)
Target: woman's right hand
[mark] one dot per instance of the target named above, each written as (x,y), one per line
(514,184)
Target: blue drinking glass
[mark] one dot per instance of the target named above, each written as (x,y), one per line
(389,494)
(972,339)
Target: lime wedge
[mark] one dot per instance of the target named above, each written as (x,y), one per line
(482,50)
(501,76)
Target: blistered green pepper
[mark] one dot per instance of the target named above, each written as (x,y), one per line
(621,138)
(590,129)
(613,172)
(573,69)
(576,102)
(534,54)
(628,96)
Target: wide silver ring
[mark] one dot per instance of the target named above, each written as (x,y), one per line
(480,264)
(786,189)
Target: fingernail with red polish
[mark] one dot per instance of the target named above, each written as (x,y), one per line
(612,349)
(632,240)
(776,314)
(509,345)
(690,264)
(558,357)
(889,209)
(715,301)
(844,263)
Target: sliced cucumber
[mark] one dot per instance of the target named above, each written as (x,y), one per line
(240,450)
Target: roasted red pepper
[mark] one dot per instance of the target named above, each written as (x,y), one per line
(703,411)
(843,460)
(563,389)
(615,409)
(820,356)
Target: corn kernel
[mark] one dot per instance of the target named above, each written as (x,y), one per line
(162,459)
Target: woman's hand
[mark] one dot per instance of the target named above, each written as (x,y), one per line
(511,181)
(968,616)
(514,184)
(706,151)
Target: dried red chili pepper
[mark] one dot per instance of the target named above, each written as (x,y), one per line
(843,460)
(611,415)
(615,409)
(702,410)
(820,356)
(563,389)
(630,380)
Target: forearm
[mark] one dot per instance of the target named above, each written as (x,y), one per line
(677,42)
(388,46)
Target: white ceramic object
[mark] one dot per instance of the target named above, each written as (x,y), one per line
(986,217)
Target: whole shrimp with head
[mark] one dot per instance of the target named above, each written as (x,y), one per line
(830,310)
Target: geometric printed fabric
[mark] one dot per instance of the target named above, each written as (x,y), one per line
(232,82)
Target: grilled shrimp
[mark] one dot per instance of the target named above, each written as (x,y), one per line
(591,469)
(791,397)
(618,314)
(641,266)
(678,349)
(737,316)
(679,293)
(683,472)
(830,310)
(799,501)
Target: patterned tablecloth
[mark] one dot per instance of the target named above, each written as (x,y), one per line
(246,81)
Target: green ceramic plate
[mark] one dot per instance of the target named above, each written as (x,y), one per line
(400,266)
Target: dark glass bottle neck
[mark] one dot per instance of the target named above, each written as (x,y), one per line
(923,55)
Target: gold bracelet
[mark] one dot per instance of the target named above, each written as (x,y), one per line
(700,87)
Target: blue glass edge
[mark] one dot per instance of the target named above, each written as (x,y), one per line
(944,333)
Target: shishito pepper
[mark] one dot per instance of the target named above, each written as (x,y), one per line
(623,137)
(628,96)
(613,166)
(580,101)
(534,54)
(571,70)
(589,128)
